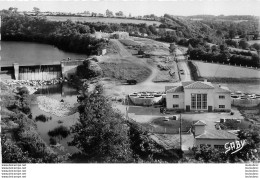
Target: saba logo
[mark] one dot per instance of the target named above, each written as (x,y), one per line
(234,146)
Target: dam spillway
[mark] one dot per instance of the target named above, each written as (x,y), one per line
(40,72)
(66,69)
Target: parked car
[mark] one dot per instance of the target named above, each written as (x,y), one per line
(166,119)
(131,82)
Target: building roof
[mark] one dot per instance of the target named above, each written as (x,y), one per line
(184,84)
(199,85)
(221,89)
(200,123)
(168,88)
(217,135)
(176,89)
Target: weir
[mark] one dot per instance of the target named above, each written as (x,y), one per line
(66,69)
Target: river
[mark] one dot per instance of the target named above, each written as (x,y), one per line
(26,53)
(58,92)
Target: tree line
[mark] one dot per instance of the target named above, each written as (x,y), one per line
(67,35)
(222,54)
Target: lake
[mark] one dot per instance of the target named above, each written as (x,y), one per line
(26,53)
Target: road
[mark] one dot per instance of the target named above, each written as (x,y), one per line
(122,52)
(182,65)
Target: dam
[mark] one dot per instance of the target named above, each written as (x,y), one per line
(66,69)
(34,61)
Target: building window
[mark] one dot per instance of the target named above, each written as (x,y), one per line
(219,147)
(221,97)
(204,101)
(175,106)
(198,101)
(175,96)
(221,106)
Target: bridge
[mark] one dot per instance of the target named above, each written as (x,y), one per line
(64,69)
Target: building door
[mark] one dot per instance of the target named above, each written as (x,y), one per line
(188,108)
(210,108)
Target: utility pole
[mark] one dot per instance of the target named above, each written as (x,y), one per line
(180,131)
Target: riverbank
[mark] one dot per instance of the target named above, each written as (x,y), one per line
(55,107)
(31,85)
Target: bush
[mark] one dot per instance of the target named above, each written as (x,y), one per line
(194,71)
(88,70)
(53,141)
(59,131)
(42,118)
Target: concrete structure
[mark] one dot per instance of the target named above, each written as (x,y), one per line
(39,72)
(198,96)
(16,71)
(65,69)
(69,67)
(212,138)
(102,52)
(120,35)
(145,98)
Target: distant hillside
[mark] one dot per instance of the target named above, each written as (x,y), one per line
(102,20)
(214,27)
(189,28)
(225,18)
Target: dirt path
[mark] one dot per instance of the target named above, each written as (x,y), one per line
(123,52)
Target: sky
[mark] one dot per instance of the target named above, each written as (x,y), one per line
(144,7)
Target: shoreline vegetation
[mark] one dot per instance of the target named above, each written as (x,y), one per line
(55,107)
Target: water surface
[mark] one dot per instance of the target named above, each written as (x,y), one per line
(27,53)
(58,92)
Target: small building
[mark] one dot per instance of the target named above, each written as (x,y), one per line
(198,96)
(120,35)
(211,138)
(101,52)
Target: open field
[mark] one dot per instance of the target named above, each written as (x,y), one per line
(225,71)
(247,87)
(128,42)
(101,19)
(251,114)
(125,71)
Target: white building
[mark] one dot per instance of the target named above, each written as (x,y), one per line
(198,96)
(211,138)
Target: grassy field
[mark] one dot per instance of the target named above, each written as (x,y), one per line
(129,43)
(252,114)
(158,125)
(101,19)
(225,71)
(125,71)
